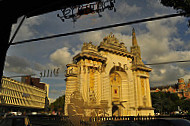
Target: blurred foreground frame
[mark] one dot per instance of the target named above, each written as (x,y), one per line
(29,9)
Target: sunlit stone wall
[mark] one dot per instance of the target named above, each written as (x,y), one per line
(20,94)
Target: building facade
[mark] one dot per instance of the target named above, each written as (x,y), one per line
(107,80)
(17,95)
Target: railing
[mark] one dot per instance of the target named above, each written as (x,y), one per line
(97,121)
(137,118)
(51,120)
(127,118)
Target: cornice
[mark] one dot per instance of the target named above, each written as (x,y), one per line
(141,67)
(145,108)
(115,50)
(70,75)
(71,65)
(90,55)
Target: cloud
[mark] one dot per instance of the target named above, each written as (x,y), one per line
(187,32)
(51,100)
(18,65)
(159,42)
(166,74)
(126,9)
(57,92)
(21,65)
(27,29)
(97,36)
(161,46)
(94,37)
(38,66)
(155,4)
(63,56)
(176,44)
(187,77)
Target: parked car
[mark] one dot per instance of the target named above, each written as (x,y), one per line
(8,114)
(15,121)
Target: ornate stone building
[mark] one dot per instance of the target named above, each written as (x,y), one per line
(108,80)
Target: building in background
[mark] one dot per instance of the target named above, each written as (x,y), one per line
(107,80)
(28,95)
(181,88)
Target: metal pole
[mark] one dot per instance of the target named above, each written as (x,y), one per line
(16,31)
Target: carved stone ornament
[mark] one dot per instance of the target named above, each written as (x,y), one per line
(119,65)
(99,69)
(125,67)
(112,42)
(88,69)
(79,69)
(84,69)
(89,46)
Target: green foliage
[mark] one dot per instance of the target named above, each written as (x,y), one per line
(185,105)
(182,6)
(165,102)
(58,104)
(168,102)
(179,5)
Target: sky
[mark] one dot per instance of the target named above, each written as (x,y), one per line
(160,41)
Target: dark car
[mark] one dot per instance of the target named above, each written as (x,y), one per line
(15,121)
(169,122)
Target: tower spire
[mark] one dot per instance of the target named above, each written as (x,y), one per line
(134,40)
(135,50)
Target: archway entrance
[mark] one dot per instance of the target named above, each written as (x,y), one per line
(115,81)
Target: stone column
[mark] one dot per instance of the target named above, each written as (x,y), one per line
(139,91)
(106,91)
(71,86)
(84,83)
(99,87)
(148,93)
(136,98)
(125,91)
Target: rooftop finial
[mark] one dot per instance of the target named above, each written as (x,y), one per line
(133,31)
(111,34)
(134,40)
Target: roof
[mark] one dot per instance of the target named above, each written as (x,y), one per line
(163,87)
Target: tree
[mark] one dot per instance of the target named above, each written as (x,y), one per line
(185,105)
(158,101)
(58,104)
(165,102)
(182,6)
